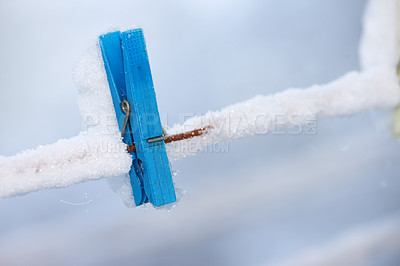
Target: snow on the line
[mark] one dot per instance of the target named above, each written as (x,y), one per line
(95,153)
(66,162)
(99,152)
(376,86)
(350,94)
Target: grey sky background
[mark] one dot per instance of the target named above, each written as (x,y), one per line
(294,192)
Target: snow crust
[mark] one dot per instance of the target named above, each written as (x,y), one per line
(99,152)
(354,92)
(95,153)
(66,162)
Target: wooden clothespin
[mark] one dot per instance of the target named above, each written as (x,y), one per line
(128,72)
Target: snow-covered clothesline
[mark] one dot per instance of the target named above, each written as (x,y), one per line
(348,95)
(99,152)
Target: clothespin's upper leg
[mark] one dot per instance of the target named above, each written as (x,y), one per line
(145,120)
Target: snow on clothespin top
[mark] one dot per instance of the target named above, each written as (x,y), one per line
(129,76)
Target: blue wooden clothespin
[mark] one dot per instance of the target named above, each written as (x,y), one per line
(129,77)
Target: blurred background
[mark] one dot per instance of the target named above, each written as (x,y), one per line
(330,198)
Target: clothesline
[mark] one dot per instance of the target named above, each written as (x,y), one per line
(93,154)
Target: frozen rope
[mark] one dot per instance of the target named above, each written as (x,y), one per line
(99,152)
